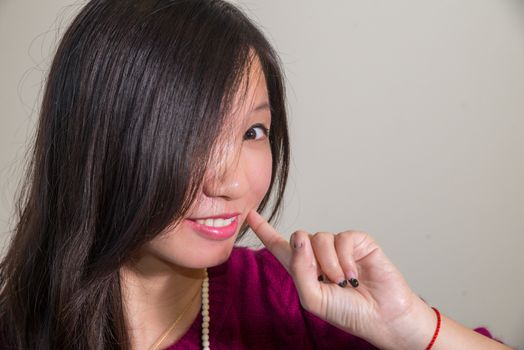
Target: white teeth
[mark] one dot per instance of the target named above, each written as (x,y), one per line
(216,222)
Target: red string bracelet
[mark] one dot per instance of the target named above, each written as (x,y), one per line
(436,330)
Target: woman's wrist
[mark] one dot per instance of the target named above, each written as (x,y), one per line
(413,330)
(416,328)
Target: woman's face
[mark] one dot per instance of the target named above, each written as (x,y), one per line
(235,182)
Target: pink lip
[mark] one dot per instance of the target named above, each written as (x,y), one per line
(215,233)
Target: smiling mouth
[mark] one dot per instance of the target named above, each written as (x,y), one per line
(218,222)
(220,227)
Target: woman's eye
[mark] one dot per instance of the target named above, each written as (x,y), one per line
(256,132)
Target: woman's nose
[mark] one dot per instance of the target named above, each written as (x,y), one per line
(226,181)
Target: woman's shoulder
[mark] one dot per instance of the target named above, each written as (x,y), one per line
(259,256)
(258,277)
(262,302)
(260,264)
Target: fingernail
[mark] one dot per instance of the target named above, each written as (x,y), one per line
(343,284)
(354,282)
(321,278)
(297,244)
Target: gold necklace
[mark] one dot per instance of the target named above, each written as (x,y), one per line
(170,328)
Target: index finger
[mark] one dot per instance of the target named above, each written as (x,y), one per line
(273,240)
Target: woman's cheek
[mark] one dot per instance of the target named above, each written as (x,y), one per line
(259,172)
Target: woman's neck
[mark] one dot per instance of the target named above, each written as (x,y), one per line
(154,294)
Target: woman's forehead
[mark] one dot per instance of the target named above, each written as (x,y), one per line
(252,91)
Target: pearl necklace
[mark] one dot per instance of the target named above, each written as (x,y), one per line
(205,316)
(205,313)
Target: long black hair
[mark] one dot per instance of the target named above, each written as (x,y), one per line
(132,107)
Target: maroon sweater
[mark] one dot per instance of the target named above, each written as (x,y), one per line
(254,305)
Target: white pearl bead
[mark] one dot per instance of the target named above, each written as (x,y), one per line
(205,313)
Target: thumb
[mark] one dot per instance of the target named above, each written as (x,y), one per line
(273,240)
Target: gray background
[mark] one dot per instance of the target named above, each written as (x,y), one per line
(407,121)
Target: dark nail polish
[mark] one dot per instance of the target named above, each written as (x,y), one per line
(353,282)
(293,241)
(321,278)
(297,244)
(343,284)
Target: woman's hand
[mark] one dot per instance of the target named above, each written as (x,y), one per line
(382,309)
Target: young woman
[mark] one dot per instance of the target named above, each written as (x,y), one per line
(162,133)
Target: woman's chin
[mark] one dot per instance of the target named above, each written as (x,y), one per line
(216,259)
(187,247)
(205,257)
